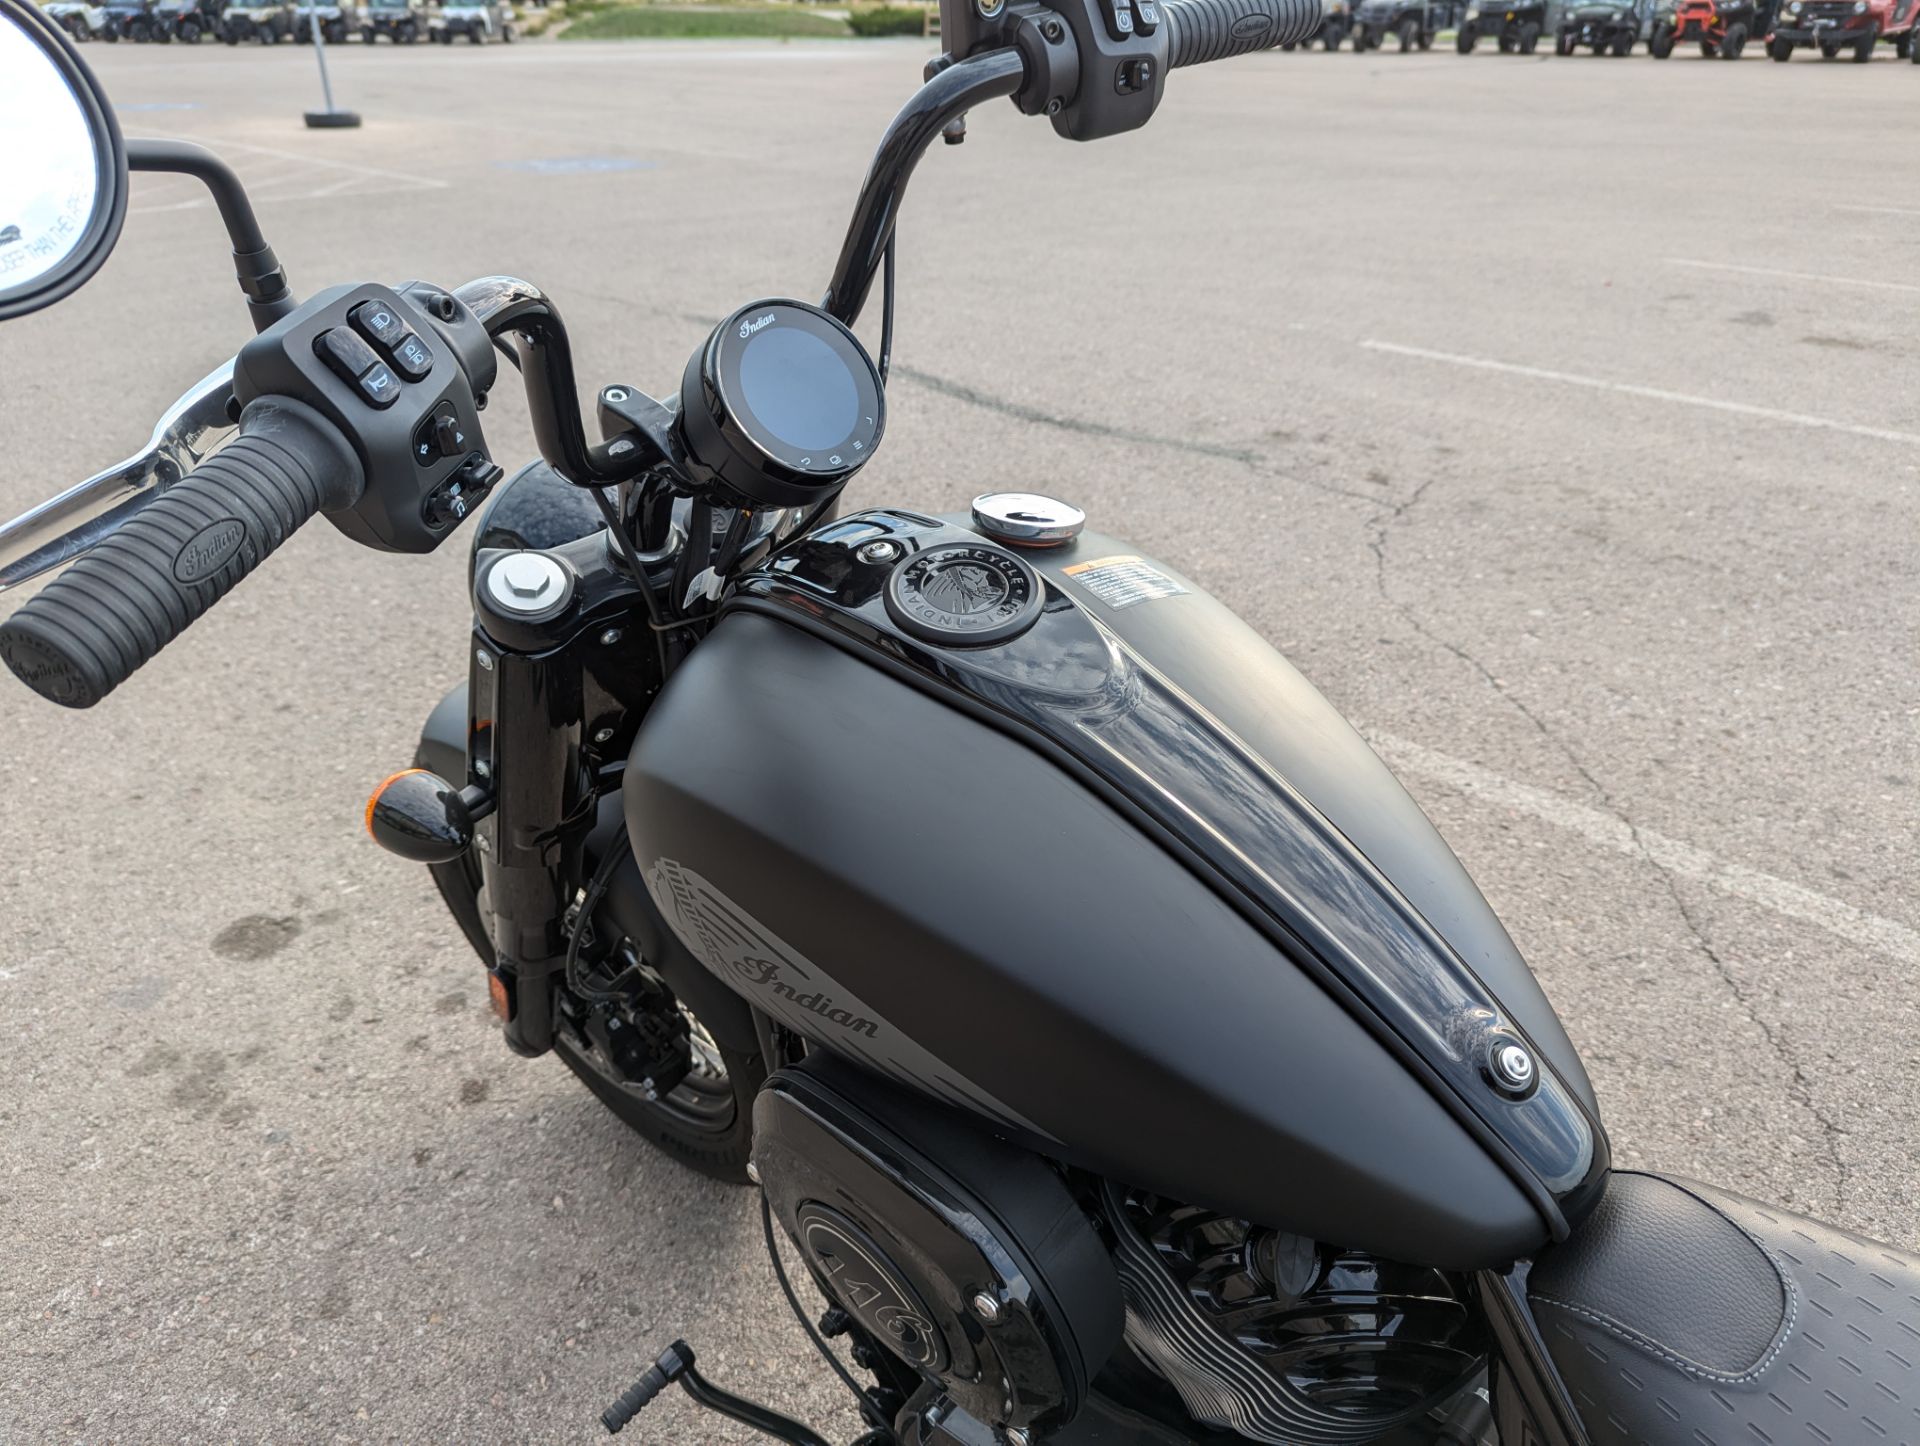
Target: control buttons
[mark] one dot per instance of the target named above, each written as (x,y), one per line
(449,503)
(376,321)
(347,353)
(380,386)
(1146,17)
(440,434)
(381,323)
(350,356)
(1119,16)
(1134,75)
(411,357)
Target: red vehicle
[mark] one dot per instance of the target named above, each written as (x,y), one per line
(1837,25)
(1721,28)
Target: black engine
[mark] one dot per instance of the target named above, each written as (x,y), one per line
(1283,1340)
(1007,1287)
(967,1257)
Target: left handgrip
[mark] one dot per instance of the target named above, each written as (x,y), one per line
(93,626)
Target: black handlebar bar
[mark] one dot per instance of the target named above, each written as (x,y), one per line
(1202,30)
(93,626)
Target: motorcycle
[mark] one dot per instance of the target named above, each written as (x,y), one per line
(1123,1053)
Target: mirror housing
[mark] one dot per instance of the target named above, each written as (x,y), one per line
(63,193)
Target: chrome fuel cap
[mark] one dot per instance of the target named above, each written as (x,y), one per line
(1027,519)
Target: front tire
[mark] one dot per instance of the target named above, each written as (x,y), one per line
(1660,43)
(1623,45)
(717,1145)
(1734,42)
(706,1123)
(1463,42)
(1409,33)
(1863,48)
(1780,50)
(1529,38)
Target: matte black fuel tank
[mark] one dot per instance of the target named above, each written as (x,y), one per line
(1118,879)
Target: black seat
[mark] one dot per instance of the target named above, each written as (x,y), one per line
(1681,1315)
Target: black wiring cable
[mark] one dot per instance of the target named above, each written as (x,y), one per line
(658,624)
(596,891)
(868,1411)
(886,310)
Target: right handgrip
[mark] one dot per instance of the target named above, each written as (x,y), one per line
(89,629)
(1203,30)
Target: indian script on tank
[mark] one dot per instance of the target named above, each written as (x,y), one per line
(758,965)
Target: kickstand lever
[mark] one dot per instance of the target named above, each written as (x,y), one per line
(676,1364)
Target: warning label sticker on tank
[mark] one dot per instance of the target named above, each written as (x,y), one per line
(1120,582)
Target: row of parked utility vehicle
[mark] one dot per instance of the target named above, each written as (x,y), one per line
(268,22)
(1720,28)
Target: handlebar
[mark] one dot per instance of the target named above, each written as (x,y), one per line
(93,626)
(1199,31)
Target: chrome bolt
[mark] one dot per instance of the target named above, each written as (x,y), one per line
(1017,1437)
(482,768)
(616,394)
(610,637)
(485,660)
(879,551)
(603,735)
(753,1172)
(528,584)
(526,575)
(986,1307)
(480,842)
(1512,1066)
(990,8)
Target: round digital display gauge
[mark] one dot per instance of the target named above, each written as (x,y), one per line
(963,594)
(781,405)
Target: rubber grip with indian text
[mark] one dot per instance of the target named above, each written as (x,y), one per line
(1202,30)
(97,623)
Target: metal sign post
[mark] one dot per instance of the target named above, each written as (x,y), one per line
(328,119)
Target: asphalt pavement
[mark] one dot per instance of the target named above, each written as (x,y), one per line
(1558,417)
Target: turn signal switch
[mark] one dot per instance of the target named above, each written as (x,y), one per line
(423,818)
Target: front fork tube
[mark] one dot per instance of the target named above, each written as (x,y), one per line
(524,747)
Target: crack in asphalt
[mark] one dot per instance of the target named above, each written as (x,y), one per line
(1020,412)
(1261,464)
(1799,1086)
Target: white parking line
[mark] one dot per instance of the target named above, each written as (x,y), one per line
(1656,394)
(1879,210)
(284,176)
(1859,281)
(1843,920)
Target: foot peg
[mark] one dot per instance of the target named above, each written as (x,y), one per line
(676,1364)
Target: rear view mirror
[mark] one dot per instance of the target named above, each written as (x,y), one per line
(63,187)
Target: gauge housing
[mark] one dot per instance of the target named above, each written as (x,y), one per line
(780,407)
